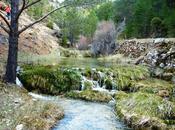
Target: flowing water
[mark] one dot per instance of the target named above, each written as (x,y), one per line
(81,115)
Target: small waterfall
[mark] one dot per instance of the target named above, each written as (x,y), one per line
(18,82)
(101,83)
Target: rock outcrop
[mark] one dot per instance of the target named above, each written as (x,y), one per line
(158,53)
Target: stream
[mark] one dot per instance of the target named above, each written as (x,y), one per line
(81,115)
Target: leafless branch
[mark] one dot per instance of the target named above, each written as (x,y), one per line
(4,28)
(30,4)
(39,20)
(21,10)
(5,20)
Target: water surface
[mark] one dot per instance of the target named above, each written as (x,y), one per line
(81,115)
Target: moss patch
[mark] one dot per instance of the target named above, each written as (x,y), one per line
(142,110)
(18,108)
(90,95)
(50,80)
(125,75)
(156,86)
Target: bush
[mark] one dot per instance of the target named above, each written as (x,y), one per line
(104,39)
(64,41)
(158,27)
(49,24)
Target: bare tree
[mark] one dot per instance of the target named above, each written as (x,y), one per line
(11,28)
(104,41)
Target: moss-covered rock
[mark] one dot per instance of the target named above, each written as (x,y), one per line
(51,80)
(144,111)
(88,85)
(125,75)
(156,86)
(90,95)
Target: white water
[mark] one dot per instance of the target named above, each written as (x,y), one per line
(80,115)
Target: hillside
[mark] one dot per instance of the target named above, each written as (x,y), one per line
(36,40)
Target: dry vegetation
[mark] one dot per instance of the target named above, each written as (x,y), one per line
(18,109)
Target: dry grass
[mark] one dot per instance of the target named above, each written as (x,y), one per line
(18,108)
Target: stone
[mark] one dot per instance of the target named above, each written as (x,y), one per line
(20,127)
(159,40)
(164,93)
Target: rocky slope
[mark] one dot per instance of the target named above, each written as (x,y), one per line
(158,53)
(39,39)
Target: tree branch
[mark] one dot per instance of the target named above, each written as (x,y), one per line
(27,6)
(39,20)
(4,28)
(5,20)
(21,10)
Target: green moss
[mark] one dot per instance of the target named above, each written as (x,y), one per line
(143,108)
(125,75)
(160,87)
(88,85)
(109,84)
(51,80)
(90,95)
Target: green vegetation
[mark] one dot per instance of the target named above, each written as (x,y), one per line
(50,80)
(143,110)
(156,19)
(155,86)
(141,15)
(126,75)
(141,102)
(90,95)
(19,109)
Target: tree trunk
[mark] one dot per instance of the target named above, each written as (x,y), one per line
(13,44)
(12,59)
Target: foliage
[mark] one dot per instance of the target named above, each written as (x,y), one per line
(39,9)
(139,15)
(105,11)
(158,27)
(49,24)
